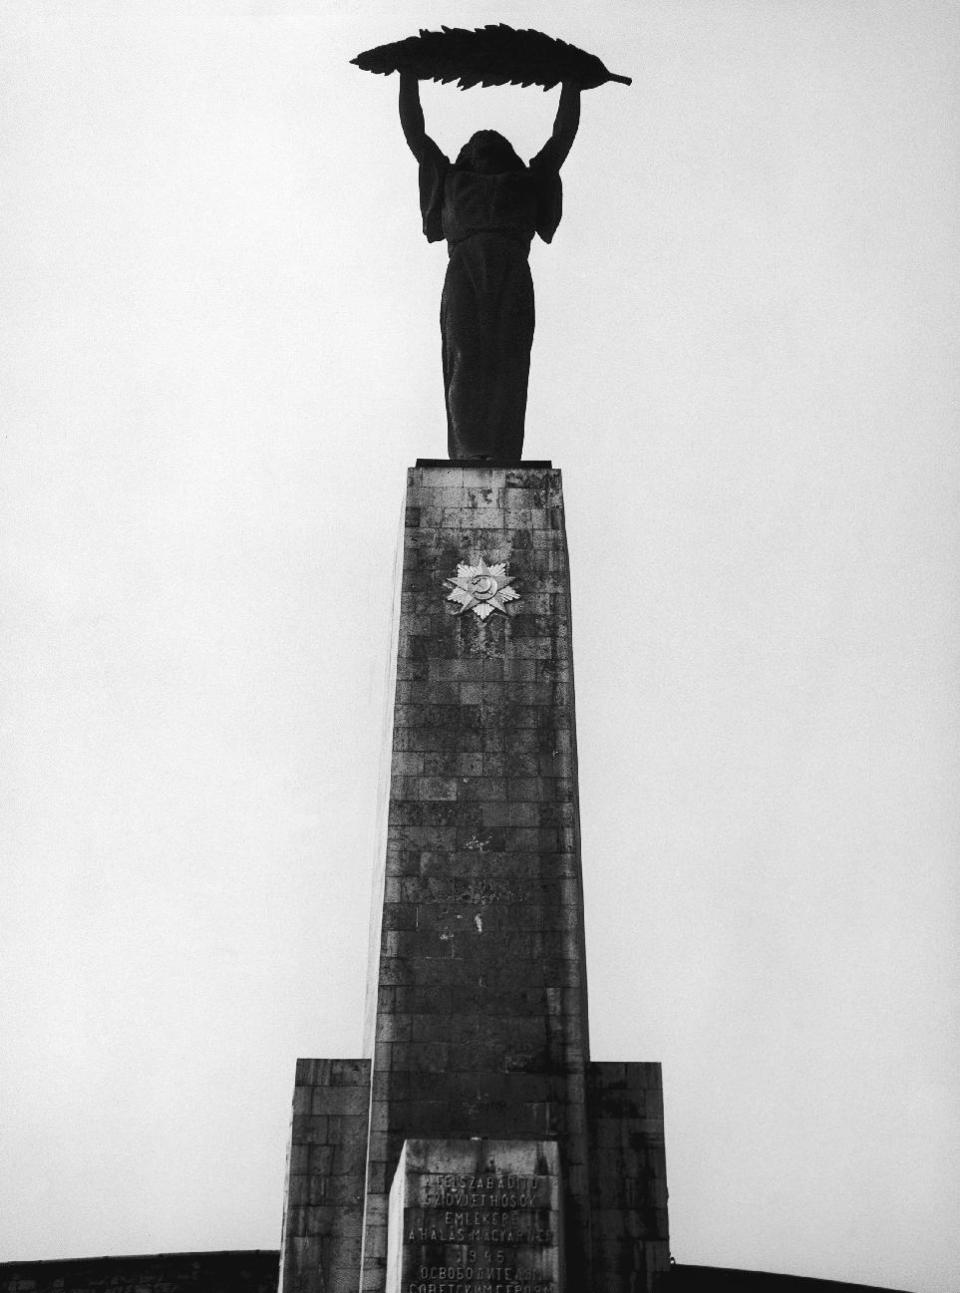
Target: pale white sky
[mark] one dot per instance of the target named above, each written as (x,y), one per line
(219,354)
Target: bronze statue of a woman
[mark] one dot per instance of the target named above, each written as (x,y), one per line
(488,205)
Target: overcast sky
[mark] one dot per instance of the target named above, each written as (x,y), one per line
(220,352)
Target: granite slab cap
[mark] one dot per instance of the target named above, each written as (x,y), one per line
(540,464)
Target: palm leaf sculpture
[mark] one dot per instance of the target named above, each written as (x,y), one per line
(491,55)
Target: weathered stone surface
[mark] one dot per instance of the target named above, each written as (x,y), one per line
(323,1213)
(481,936)
(477,1009)
(628,1177)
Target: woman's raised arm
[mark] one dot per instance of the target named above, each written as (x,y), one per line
(411,116)
(565,126)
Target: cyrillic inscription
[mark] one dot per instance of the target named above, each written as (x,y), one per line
(485,1273)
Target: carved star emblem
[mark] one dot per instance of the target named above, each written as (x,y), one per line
(481,588)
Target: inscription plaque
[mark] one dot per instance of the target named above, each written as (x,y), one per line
(476,1216)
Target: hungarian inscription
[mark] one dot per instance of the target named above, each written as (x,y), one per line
(482,1210)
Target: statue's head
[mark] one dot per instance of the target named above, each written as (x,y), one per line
(488,153)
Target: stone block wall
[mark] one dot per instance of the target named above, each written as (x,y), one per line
(628,1177)
(323,1213)
(481,1025)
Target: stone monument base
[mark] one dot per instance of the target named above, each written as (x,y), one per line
(478,1066)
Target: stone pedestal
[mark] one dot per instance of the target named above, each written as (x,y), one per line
(479,971)
(478,1005)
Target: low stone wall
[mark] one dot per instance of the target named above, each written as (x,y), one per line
(721,1279)
(255,1271)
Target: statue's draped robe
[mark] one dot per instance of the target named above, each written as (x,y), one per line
(486,311)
